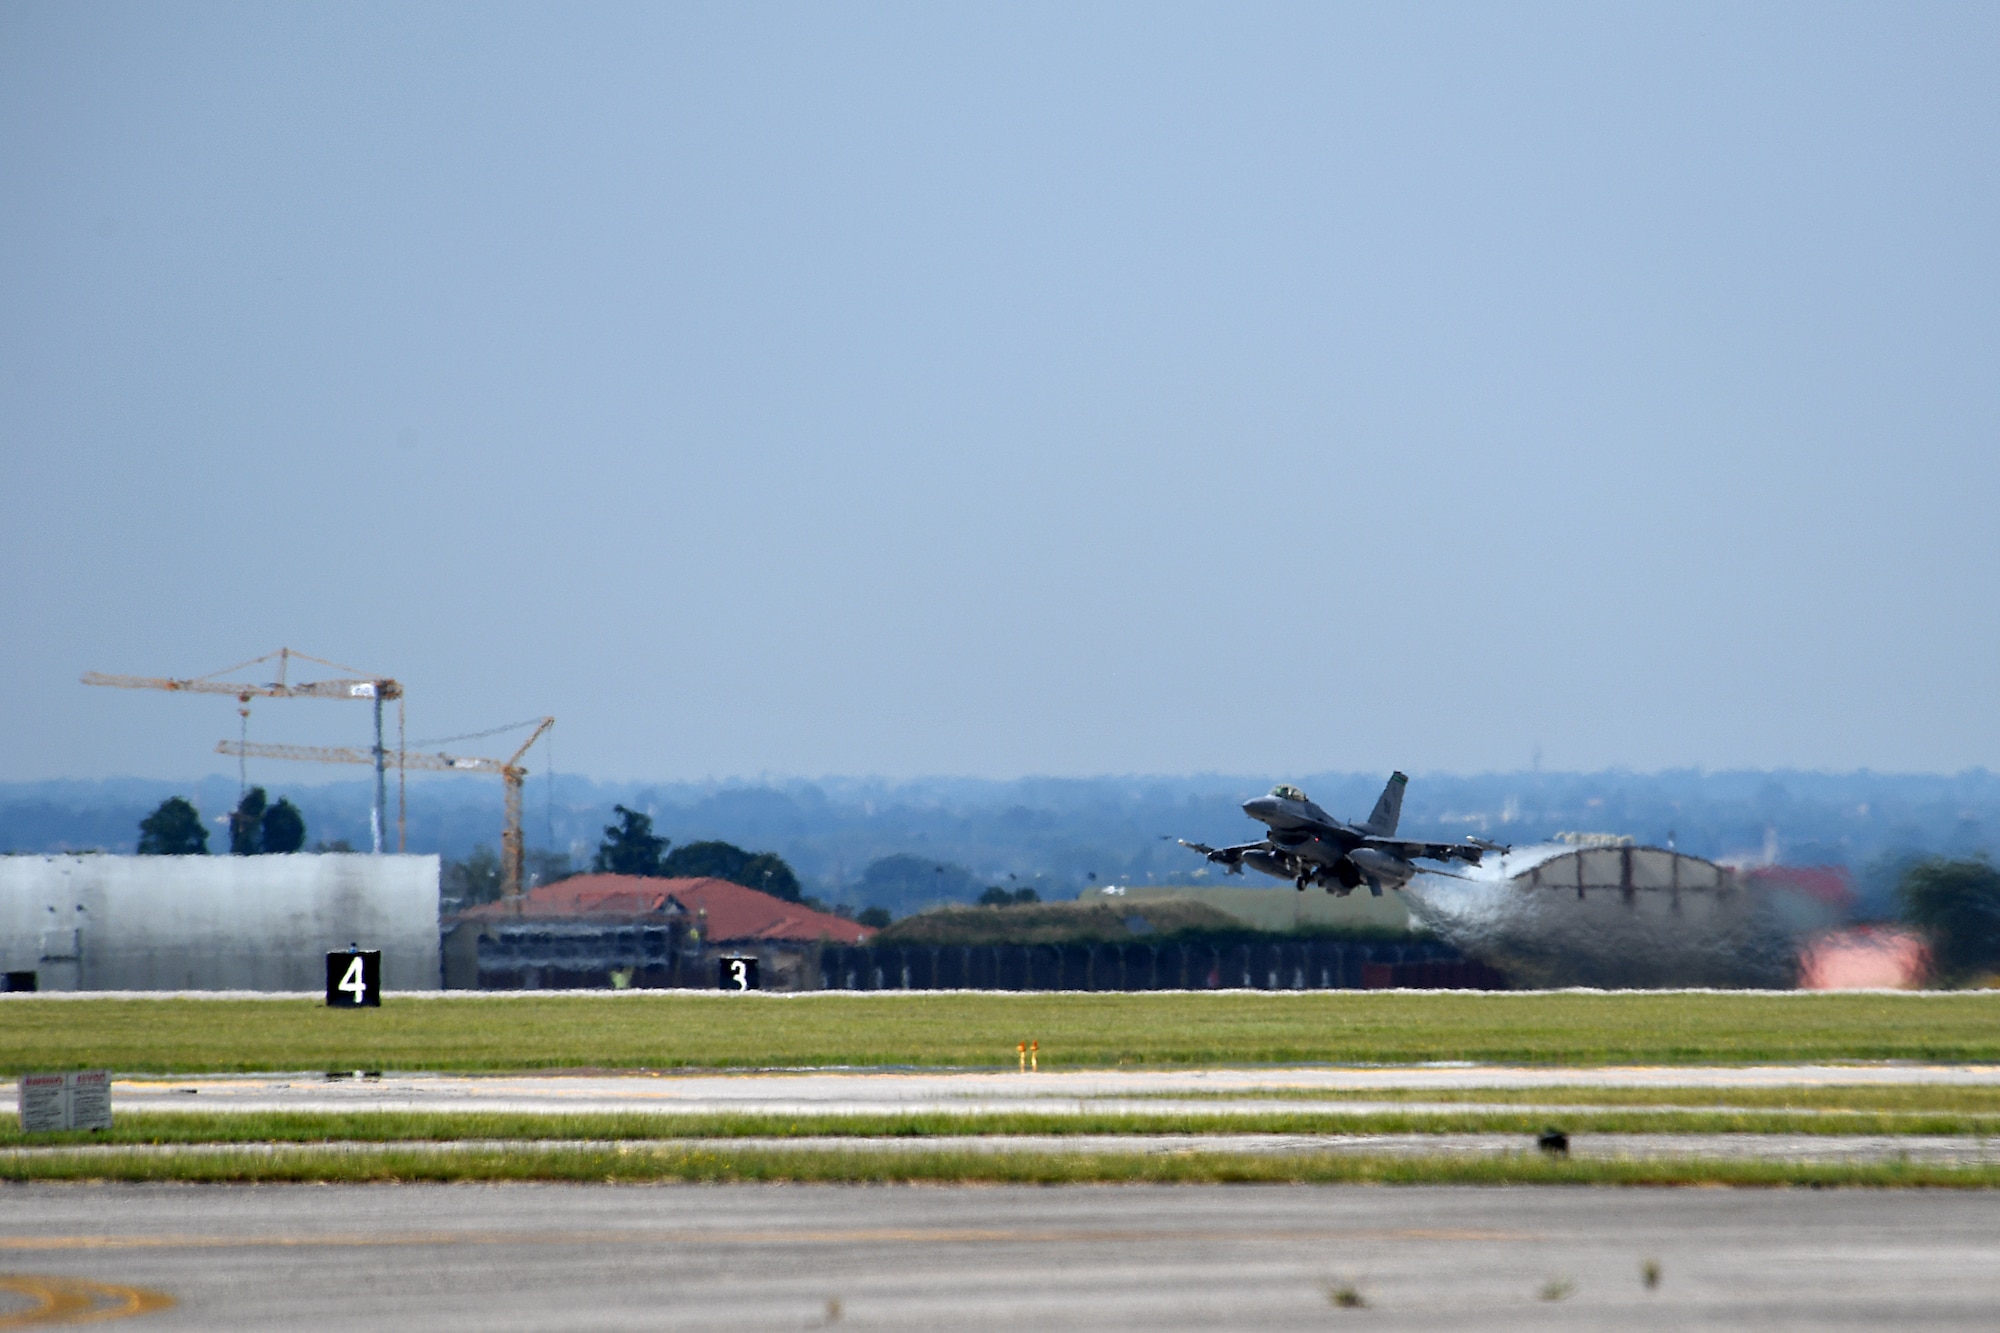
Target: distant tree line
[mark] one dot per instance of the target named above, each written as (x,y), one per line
(630,847)
(256,828)
(995,896)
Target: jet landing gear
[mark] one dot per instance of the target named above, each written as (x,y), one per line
(1343,879)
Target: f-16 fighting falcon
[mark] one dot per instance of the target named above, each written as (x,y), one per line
(1309,846)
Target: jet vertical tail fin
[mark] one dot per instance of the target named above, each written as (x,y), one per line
(1389,809)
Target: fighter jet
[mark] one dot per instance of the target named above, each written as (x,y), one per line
(1309,846)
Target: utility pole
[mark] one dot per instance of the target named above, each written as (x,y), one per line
(379,815)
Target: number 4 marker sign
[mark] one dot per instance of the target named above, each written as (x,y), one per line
(354,979)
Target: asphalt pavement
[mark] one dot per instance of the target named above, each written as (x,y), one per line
(544,1256)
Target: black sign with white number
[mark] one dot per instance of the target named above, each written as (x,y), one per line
(354,979)
(736,973)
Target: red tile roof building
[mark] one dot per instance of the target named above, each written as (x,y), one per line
(728,912)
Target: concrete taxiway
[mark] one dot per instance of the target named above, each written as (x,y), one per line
(1212,1091)
(804,1257)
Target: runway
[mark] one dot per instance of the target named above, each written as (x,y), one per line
(1138,1257)
(1210,1091)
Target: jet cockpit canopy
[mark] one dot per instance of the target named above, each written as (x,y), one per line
(1284,791)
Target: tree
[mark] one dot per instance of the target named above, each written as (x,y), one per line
(546,867)
(1957,904)
(995,896)
(246,823)
(875,918)
(258,828)
(174,829)
(905,883)
(630,846)
(284,829)
(474,880)
(763,871)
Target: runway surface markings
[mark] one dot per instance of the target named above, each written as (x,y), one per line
(68,1300)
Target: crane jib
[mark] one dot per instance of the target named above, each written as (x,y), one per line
(509,771)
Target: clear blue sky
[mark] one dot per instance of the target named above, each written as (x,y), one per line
(1009,389)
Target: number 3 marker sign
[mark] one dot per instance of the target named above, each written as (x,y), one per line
(737,973)
(354,979)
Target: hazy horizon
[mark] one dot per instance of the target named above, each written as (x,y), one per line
(1062,832)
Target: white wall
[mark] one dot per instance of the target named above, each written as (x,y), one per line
(216,922)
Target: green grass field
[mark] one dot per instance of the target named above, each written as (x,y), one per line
(158,1128)
(644,1163)
(669,1030)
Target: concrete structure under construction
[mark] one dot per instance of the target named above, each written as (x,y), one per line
(214,922)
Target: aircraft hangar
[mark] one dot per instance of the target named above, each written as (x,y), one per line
(1614,915)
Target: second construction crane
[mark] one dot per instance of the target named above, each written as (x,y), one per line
(509,770)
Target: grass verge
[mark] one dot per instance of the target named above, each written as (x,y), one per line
(165,1128)
(677,1030)
(656,1163)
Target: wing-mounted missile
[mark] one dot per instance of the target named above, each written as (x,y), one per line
(1470,851)
(1497,848)
(1229,858)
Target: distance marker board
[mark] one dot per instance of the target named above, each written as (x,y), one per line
(736,973)
(354,979)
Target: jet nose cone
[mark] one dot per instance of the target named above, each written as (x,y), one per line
(1261,807)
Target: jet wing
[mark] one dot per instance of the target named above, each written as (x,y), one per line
(1428,851)
(1230,858)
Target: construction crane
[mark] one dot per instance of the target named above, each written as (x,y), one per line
(509,770)
(360,685)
